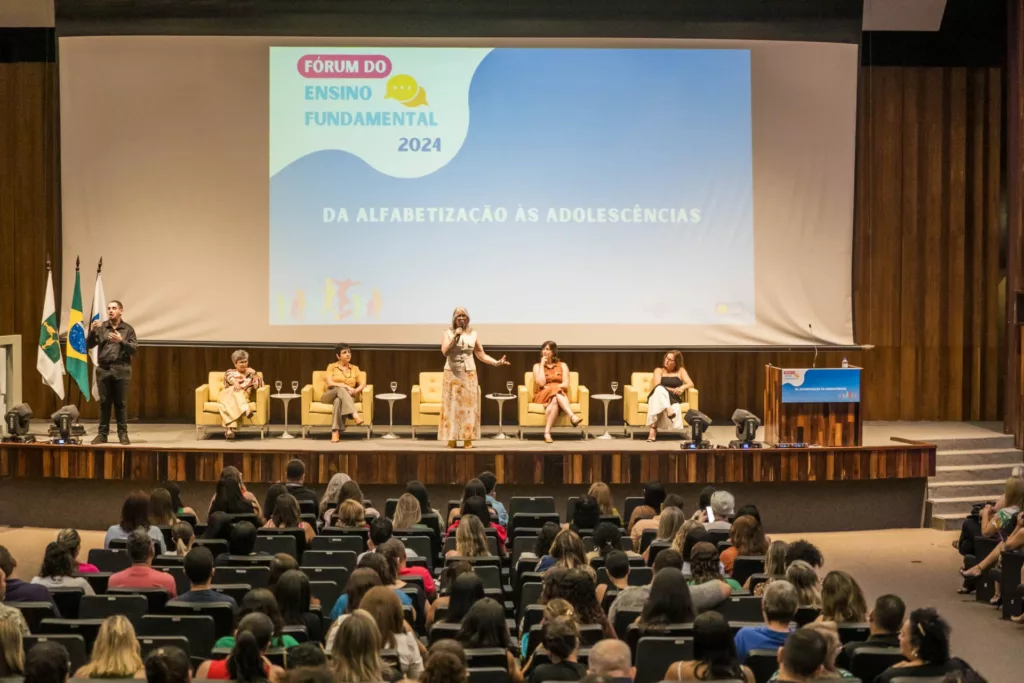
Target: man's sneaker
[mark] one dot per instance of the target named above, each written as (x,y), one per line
(100,438)
(123,438)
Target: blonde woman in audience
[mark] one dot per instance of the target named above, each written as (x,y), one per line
(567,552)
(350,515)
(774,565)
(355,657)
(993,518)
(842,600)
(686,527)
(12,657)
(115,653)
(161,508)
(408,513)
(553,609)
(601,492)
(58,570)
(395,634)
(805,580)
(470,539)
(287,516)
(182,536)
(672,520)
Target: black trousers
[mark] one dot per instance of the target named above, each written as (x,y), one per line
(113,385)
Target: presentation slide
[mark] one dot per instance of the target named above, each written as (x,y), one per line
(527,184)
(613,193)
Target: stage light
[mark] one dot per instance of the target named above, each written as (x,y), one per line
(65,427)
(18,420)
(746,429)
(699,423)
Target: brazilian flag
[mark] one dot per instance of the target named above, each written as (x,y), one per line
(77,360)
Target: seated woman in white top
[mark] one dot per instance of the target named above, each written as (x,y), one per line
(668,386)
(383,605)
(135,514)
(58,570)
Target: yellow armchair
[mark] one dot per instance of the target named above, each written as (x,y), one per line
(317,414)
(208,410)
(426,400)
(532,414)
(634,400)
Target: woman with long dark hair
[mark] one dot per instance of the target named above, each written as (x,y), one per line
(474,488)
(246,663)
(231,496)
(135,514)
(419,492)
(58,570)
(179,507)
(670,601)
(485,626)
(293,598)
(395,634)
(714,654)
(286,515)
(161,508)
(270,500)
(261,601)
(467,590)
(168,665)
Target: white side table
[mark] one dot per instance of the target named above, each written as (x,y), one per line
(286,399)
(501,398)
(606,399)
(391,398)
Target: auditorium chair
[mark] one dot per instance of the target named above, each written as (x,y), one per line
(655,654)
(532,414)
(73,643)
(426,400)
(208,412)
(317,414)
(634,401)
(763,662)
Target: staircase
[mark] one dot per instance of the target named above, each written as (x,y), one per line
(968,471)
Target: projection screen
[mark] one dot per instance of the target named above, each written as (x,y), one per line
(600,192)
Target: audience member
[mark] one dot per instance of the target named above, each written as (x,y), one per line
(994,517)
(566,551)
(179,507)
(200,570)
(407,513)
(607,538)
(332,497)
(286,515)
(802,656)
(12,659)
(490,481)
(924,641)
(470,538)
(47,662)
(161,508)
(241,543)
(747,537)
(260,601)
(602,493)
(388,573)
(350,515)
(292,592)
(135,515)
(616,566)
(577,587)
(279,564)
(805,581)
(611,658)
(477,507)
(58,570)
(885,622)
(806,551)
(642,525)
(474,488)
(395,551)
(680,540)
(714,654)
(705,566)
(842,600)
(270,500)
(168,665)
(218,527)
(669,602)
(695,536)
(10,614)
(553,609)
(672,519)
(141,574)
(545,538)
(833,645)
(419,492)
(232,497)
(451,572)
(445,663)
(355,656)
(73,542)
(723,505)
(247,662)
(306,655)
(654,496)
(395,634)
(466,591)
(115,654)
(561,640)
(703,503)
(774,565)
(381,531)
(295,474)
(704,597)
(586,515)
(350,491)
(485,626)
(182,536)
(359,584)
(778,606)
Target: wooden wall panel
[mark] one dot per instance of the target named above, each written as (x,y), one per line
(926,277)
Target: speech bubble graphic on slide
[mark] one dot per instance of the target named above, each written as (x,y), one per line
(403,88)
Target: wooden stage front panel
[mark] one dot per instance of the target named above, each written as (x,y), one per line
(614,465)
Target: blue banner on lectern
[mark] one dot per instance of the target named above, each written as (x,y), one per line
(821,385)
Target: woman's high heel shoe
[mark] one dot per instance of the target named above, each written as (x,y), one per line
(548,439)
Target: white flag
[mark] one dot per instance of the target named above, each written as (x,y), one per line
(99,312)
(49,362)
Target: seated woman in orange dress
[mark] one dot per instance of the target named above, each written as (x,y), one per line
(552,379)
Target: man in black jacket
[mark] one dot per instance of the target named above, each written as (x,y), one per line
(885,619)
(117,344)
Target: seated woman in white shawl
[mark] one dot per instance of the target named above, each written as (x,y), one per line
(239,382)
(668,386)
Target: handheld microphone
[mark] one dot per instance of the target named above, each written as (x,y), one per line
(814,340)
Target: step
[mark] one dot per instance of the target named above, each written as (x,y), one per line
(981,489)
(980,456)
(986,442)
(949,521)
(957,504)
(975,472)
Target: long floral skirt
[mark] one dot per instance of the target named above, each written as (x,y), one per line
(460,408)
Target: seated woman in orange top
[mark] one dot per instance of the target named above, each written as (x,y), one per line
(343,386)
(552,379)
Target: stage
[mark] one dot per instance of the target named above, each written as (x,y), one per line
(171,452)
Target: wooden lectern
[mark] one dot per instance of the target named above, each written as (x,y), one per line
(816,406)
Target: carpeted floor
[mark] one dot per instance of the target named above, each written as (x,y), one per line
(919,565)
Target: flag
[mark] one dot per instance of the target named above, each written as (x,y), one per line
(99,313)
(49,362)
(78,365)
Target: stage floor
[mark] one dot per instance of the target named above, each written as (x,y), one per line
(156,436)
